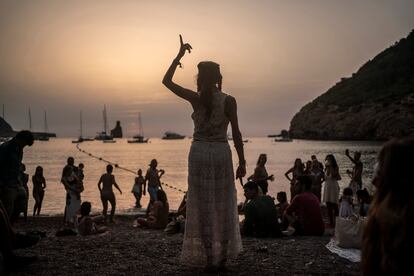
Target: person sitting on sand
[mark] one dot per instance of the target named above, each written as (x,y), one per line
(25,180)
(346,203)
(10,240)
(158,215)
(260,214)
(107,194)
(281,207)
(138,189)
(87,225)
(260,175)
(304,212)
(364,200)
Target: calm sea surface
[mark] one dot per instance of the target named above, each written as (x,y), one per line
(172,157)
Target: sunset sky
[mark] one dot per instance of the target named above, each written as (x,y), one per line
(275,56)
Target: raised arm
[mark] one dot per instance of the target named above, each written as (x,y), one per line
(178,90)
(231,112)
(349,156)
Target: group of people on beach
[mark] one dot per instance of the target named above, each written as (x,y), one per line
(212,233)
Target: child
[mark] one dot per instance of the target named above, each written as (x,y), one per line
(281,207)
(138,189)
(345,209)
(364,200)
(87,224)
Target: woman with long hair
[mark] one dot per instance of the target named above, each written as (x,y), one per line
(331,189)
(39,186)
(260,175)
(212,233)
(388,235)
(297,170)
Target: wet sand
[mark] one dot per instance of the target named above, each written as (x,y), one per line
(129,251)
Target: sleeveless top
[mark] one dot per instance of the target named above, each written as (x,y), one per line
(215,128)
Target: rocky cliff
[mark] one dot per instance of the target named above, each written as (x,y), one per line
(5,128)
(375,103)
(117,131)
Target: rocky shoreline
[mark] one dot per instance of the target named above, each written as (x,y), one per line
(129,251)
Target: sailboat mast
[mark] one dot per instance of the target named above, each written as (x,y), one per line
(141,128)
(105,120)
(30,120)
(80,122)
(46,127)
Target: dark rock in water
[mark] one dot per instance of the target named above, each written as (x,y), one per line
(376,103)
(117,131)
(5,128)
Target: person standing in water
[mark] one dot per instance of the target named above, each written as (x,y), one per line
(39,186)
(212,233)
(107,194)
(138,189)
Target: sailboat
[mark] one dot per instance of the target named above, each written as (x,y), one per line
(139,138)
(81,138)
(43,136)
(104,136)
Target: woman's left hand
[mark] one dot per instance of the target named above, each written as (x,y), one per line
(241,171)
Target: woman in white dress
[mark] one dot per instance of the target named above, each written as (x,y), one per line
(331,190)
(212,232)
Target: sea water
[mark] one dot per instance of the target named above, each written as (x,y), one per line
(172,156)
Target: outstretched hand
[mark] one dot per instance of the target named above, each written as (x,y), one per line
(183,48)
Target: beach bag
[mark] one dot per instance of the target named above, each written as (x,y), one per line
(348,232)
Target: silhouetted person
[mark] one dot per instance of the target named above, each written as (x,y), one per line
(331,190)
(260,175)
(297,170)
(107,194)
(9,241)
(73,186)
(388,238)
(158,215)
(356,173)
(304,212)
(11,155)
(24,181)
(210,168)
(87,224)
(260,214)
(139,188)
(39,186)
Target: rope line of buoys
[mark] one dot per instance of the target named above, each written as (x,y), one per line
(116,165)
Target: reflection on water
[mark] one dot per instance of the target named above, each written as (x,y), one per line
(172,157)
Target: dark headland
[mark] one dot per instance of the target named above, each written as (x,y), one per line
(375,103)
(6,130)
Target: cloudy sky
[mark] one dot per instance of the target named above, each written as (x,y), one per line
(275,56)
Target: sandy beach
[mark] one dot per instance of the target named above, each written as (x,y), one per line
(129,251)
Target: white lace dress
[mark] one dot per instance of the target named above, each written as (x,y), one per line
(212,231)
